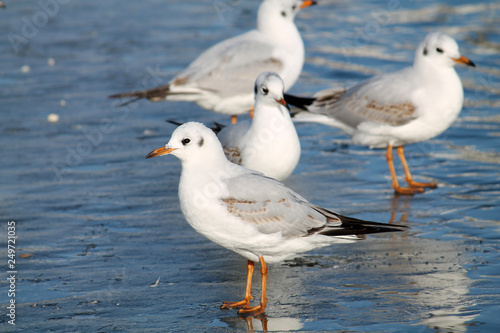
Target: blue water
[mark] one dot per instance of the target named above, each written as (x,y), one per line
(102,223)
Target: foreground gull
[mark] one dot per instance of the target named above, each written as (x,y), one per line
(394,109)
(269,142)
(249,213)
(221,78)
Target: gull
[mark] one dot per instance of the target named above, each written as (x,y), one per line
(269,142)
(221,78)
(412,105)
(249,213)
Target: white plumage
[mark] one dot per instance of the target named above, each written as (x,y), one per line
(269,142)
(394,109)
(249,213)
(221,78)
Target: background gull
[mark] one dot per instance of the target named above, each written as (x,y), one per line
(394,109)
(221,78)
(269,142)
(249,213)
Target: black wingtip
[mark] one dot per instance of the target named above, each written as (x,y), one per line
(368,227)
(173,122)
(300,102)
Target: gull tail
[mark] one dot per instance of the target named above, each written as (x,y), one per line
(300,102)
(350,226)
(154,95)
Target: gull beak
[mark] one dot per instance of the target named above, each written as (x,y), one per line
(281,101)
(160,151)
(464,60)
(307,3)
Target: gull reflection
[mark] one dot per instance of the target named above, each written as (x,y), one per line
(433,268)
(262,323)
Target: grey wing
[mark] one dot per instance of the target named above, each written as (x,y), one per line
(231,67)
(231,138)
(271,207)
(379,99)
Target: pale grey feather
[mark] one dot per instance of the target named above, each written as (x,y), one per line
(373,100)
(230,67)
(271,207)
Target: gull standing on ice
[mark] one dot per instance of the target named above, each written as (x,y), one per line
(269,142)
(221,78)
(249,213)
(394,109)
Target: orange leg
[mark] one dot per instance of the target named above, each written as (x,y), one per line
(395,184)
(234,119)
(409,178)
(251,113)
(257,310)
(248,293)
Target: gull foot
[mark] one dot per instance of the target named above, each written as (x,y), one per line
(252,311)
(236,305)
(408,190)
(418,184)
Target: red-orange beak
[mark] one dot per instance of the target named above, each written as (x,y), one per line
(160,151)
(281,101)
(307,3)
(464,60)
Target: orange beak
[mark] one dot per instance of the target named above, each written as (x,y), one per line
(281,101)
(464,60)
(307,3)
(160,151)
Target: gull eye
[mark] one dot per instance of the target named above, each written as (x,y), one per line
(265,91)
(439,50)
(186,141)
(283,13)
(294,7)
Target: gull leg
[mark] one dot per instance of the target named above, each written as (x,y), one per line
(234,119)
(409,178)
(398,189)
(248,295)
(251,113)
(257,310)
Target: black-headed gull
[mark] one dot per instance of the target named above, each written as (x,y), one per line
(221,78)
(249,213)
(269,142)
(412,105)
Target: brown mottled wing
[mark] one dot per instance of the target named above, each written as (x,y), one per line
(271,207)
(232,139)
(227,69)
(233,154)
(383,99)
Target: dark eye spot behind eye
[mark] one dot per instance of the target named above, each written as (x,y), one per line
(439,50)
(425,51)
(186,141)
(201,142)
(283,13)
